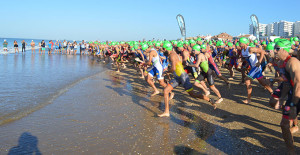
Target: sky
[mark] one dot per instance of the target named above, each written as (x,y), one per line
(119,20)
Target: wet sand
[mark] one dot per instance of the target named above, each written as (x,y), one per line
(113,113)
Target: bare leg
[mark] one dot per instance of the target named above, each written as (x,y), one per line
(249,91)
(287,135)
(151,83)
(167,91)
(263,82)
(199,85)
(216,91)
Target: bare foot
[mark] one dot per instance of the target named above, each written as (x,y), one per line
(219,100)
(230,78)
(212,101)
(141,77)
(171,96)
(247,101)
(165,114)
(207,93)
(155,93)
(118,71)
(294,129)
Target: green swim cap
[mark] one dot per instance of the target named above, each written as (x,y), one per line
(251,44)
(186,42)
(270,46)
(132,49)
(192,41)
(230,44)
(180,44)
(136,46)
(277,39)
(196,47)
(255,41)
(122,42)
(296,39)
(244,40)
(237,44)
(199,39)
(285,44)
(113,43)
(118,43)
(144,47)
(157,44)
(175,42)
(203,46)
(219,43)
(293,43)
(210,42)
(264,43)
(168,46)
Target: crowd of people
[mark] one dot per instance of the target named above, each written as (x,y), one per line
(200,59)
(173,63)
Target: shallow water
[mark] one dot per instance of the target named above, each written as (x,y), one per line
(30,81)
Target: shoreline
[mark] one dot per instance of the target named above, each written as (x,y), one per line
(113,113)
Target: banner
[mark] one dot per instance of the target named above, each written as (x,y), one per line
(255,24)
(181,25)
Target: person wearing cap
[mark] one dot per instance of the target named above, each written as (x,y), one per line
(249,53)
(32,44)
(201,54)
(5,45)
(180,78)
(155,69)
(292,105)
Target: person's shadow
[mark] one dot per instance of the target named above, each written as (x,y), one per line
(27,145)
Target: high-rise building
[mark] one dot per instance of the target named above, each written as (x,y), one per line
(276,28)
(282,28)
(270,29)
(285,29)
(296,28)
(262,30)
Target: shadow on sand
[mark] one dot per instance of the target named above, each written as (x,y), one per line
(28,144)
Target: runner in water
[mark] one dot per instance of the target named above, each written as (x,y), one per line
(180,78)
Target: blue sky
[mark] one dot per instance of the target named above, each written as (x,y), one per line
(134,20)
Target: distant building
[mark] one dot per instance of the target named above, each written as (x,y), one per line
(285,29)
(296,28)
(282,28)
(262,30)
(270,29)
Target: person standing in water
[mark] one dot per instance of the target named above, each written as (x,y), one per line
(16,46)
(24,45)
(32,44)
(5,45)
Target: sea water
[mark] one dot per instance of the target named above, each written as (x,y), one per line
(30,81)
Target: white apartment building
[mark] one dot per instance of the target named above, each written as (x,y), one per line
(262,30)
(282,28)
(270,29)
(296,28)
(285,29)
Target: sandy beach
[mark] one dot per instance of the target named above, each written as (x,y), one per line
(113,113)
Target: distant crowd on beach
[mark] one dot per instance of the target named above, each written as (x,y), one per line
(57,47)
